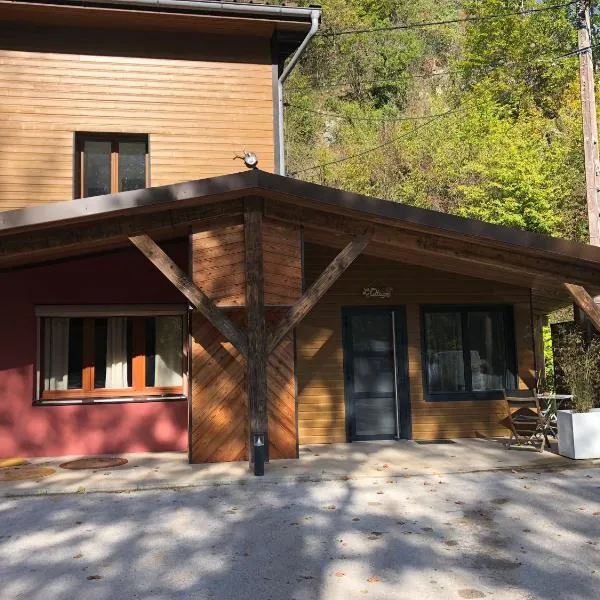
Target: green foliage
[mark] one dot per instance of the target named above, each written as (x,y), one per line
(548,358)
(580,364)
(506,144)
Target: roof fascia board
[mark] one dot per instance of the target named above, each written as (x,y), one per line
(232,9)
(111,205)
(423,218)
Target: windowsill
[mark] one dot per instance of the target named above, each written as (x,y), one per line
(119,400)
(464,396)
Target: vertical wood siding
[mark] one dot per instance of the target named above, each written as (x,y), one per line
(201,101)
(321,408)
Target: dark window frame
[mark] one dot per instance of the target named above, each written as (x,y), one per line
(510,381)
(114,138)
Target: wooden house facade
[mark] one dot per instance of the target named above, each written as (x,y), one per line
(154,298)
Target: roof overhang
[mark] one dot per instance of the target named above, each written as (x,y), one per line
(328,216)
(224,18)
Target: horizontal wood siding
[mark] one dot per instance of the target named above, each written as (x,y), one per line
(201,101)
(218,263)
(282,264)
(321,408)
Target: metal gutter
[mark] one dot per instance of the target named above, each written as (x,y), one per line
(198,6)
(315,17)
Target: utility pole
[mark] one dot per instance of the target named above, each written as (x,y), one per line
(590,126)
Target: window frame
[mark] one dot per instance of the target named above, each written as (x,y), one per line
(114,138)
(507,311)
(138,392)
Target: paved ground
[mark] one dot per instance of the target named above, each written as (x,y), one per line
(325,462)
(500,534)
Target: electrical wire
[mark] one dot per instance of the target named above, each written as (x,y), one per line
(473,18)
(335,115)
(407,134)
(458,107)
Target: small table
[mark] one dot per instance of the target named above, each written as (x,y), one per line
(552,403)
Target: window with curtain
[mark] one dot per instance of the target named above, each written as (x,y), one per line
(468,352)
(110,163)
(111,356)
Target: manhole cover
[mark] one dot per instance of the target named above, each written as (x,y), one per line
(94,463)
(22,472)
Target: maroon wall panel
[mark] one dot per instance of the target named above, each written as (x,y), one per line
(122,277)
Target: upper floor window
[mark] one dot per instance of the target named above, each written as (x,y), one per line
(110,163)
(469,351)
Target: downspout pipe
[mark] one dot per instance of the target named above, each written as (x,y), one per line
(315,17)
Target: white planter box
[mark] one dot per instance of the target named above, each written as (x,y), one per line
(579,434)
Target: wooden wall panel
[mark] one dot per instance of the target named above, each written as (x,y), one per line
(218,263)
(281,397)
(321,409)
(200,104)
(282,263)
(219,415)
(219,411)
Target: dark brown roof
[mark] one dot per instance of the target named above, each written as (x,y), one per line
(162,198)
(402,233)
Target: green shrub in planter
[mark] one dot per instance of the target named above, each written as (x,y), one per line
(580,364)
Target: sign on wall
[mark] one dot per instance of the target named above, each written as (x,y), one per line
(374,292)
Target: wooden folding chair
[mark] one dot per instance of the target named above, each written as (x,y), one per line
(526,421)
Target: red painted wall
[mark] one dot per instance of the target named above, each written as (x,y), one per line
(122,277)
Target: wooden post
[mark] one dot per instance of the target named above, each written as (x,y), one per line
(316,291)
(590,126)
(255,305)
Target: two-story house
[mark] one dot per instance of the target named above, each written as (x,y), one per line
(155,294)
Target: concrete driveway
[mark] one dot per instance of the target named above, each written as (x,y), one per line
(327,462)
(497,534)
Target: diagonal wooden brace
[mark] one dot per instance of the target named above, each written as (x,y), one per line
(156,255)
(317,290)
(585,302)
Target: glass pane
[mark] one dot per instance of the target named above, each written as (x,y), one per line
(488,350)
(132,166)
(372,333)
(164,351)
(375,416)
(100,335)
(373,375)
(113,353)
(444,352)
(96,168)
(56,353)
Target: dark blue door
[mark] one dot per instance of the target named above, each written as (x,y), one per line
(375,364)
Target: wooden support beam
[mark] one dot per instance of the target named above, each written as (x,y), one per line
(526,265)
(316,291)
(99,234)
(585,302)
(163,262)
(255,304)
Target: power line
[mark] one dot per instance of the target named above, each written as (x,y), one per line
(335,84)
(335,115)
(351,118)
(474,18)
(407,134)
